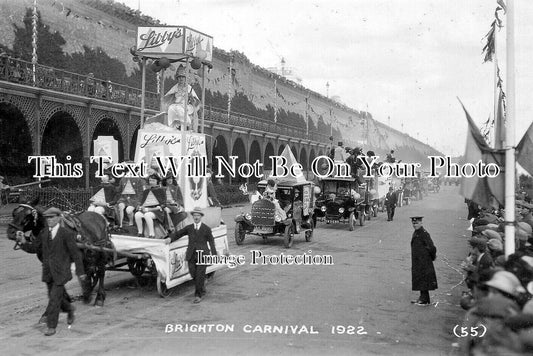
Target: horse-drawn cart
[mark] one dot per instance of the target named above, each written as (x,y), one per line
(165,261)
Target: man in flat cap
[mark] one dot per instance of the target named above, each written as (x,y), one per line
(59,251)
(199,236)
(423,253)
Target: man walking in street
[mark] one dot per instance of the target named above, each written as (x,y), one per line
(59,251)
(199,236)
(390,203)
(423,253)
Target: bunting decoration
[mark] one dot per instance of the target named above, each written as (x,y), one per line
(489,50)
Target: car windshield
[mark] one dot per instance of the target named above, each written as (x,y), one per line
(337,187)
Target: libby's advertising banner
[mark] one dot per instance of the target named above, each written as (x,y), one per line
(174,42)
(182,156)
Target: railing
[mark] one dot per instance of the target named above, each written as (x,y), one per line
(21,72)
(251,122)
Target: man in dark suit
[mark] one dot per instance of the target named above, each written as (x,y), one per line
(423,253)
(59,251)
(199,236)
(390,203)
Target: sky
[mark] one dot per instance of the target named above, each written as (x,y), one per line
(405,61)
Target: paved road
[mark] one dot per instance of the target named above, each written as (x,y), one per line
(358,306)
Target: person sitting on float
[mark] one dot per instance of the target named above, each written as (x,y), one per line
(103,203)
(174,101)
(270,194)
(130,190)
(151,207)
(174,203)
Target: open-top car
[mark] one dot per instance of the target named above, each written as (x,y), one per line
(341,200)
(285,212)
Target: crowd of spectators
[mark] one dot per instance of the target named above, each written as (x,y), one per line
(499,304)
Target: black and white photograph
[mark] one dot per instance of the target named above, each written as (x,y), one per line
(266,177)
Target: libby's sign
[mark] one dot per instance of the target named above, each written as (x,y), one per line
(174,42)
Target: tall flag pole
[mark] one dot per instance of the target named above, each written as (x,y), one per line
(510,135)
(307,114)
(34,41)
(275,100)
(230,86)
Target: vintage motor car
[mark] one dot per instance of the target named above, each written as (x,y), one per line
(342,200)
(290,213)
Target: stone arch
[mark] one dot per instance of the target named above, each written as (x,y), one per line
(239,150)
(312,155)
(62,138)
(120,123)
(79,114)
(255,155)
(15,145)
(27,107)
(269,151)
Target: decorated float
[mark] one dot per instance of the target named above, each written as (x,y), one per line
(172,144)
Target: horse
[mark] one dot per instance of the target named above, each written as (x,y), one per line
(90,228)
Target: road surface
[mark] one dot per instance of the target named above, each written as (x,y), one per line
(360,305)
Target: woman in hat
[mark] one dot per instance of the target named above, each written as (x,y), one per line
(174,203)
(130,190)
(175,100)
(151,207)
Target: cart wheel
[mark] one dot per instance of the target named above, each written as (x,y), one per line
(162,288)
(289,236)
(137,267)
(361,218)
(240,234)
(309,234)
(352,221)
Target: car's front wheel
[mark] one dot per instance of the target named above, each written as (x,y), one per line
(289,236)
(240,234)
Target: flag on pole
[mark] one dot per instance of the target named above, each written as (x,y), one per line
(482,190)
(525,151)
(499,134)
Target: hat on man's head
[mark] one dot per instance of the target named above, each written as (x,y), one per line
(197,210)
(180,72)
(478,242)
(53,211)
(416,218)
(506,282)
(495,245)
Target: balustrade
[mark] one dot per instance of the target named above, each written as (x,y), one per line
(21,72)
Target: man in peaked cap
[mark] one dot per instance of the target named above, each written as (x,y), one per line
(423,253)
(200,236)
(59,250)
